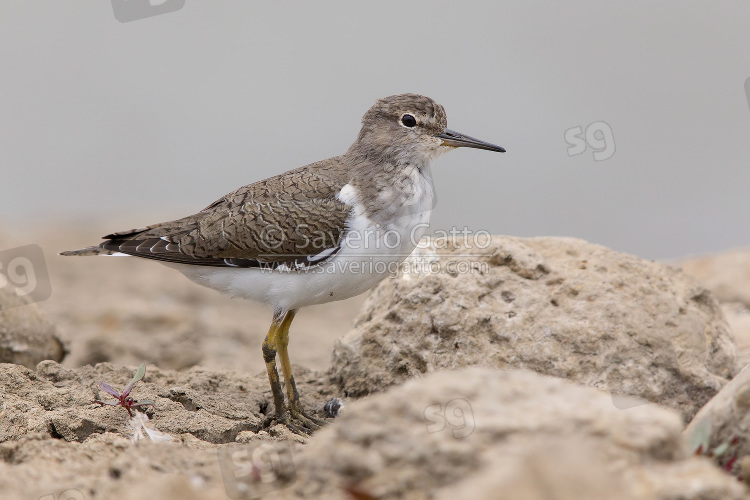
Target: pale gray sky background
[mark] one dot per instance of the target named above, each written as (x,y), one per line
(149,120)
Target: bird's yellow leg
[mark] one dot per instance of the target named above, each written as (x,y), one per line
(270,347)
(295,407)
(286,365)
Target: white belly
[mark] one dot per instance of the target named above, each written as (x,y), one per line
(352,271)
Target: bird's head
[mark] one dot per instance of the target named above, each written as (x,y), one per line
(410,128)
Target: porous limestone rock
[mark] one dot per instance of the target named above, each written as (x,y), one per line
(486,433)
(26,335)
(558,306)
(726,274)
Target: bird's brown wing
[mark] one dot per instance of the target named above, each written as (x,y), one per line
(293,219)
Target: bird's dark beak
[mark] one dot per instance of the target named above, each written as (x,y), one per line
(458,140)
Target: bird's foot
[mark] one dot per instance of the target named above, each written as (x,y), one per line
(308,421)
(296,420)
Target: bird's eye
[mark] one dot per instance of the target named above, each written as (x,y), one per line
(409,120)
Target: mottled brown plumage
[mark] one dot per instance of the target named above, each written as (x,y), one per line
(249,227)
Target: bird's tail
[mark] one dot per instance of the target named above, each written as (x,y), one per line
(84,252)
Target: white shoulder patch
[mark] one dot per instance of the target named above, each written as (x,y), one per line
(348,195)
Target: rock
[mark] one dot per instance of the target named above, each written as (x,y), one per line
(541,469)
(476,432)
(738,317)
(26,336)
(558,306)
(727,274)
(725,420)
